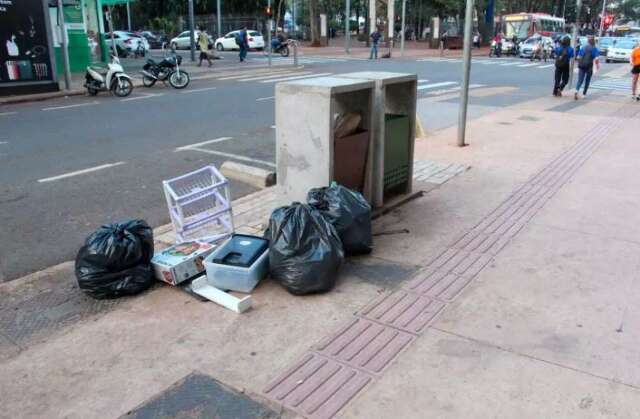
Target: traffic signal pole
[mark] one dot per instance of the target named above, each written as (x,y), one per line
(269,32)
(466,71)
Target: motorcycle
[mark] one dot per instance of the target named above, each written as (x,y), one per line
(540,52)
(282,49)
(166,70)
(112,78)
(495,49)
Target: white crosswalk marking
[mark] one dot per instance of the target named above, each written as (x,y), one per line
(296,78)
(273,76)
(613,83)
(502,62)
(528,65)
(546,66)
(434,85)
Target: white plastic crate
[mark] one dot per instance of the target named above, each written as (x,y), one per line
(199,205)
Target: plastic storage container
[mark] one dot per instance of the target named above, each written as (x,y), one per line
(200,205)
(239,263)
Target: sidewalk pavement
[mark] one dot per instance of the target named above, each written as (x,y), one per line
(511,295)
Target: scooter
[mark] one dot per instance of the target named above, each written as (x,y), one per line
(112,78)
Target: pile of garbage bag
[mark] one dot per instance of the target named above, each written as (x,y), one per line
(116,260)
(307,242)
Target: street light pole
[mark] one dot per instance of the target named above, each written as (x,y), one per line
(65,47)
(466,70)
(269,32)
(604,10)
(219,13)
(192,31)
(347,26)
(404,11)
(574,39)
(128,16)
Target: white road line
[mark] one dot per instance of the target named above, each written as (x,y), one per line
(146,96)
(255,73)
(7,113)
(453,90)
(509,64)
(80,172)
(215,140)
(273,127)
(297,77)
(434,85)
(4,142)
(528,65)
(234,156)
(77,105)
(546,66)
(260,99)
(291,73)
(423,81)
(204,89)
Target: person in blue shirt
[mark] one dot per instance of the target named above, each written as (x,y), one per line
(587,57)
(564,54)
(375,38)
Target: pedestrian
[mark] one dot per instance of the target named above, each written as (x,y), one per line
(375,39)
(476,40)
(203,43)
(242,40)
(635,70)
(587,58)
(564,54)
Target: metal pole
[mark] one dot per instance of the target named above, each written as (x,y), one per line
(574,39)
(466,70)
(404,11)
(65,47)
(192,31)
(113,40)
(269,32)
(219,13)
(347,26)
(391,22)
(129,16)
(604,10)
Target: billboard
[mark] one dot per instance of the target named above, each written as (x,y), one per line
(24,47)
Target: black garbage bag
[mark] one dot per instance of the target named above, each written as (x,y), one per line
(305,251)
(116,260)
(349,213)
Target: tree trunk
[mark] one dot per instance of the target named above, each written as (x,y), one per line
(313,23)
(278,15)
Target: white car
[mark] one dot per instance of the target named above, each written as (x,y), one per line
(620,50)
(527,47)
(228,42)
(182,41)
(127,40)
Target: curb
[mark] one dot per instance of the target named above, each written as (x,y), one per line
(254,176)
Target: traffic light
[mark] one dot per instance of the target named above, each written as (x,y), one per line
(268,10)
(608,20)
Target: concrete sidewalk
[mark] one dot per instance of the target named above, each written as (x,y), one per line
(511,295)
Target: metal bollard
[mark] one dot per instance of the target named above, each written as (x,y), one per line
(294,44)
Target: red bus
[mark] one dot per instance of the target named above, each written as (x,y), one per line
(525,25)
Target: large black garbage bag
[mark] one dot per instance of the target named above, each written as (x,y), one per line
(305,251)
(115,260)
(349,213)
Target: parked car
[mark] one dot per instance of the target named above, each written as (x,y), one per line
(155,39)
(228,42)
(527,46)
(128,41)
(182,41)
(620,50)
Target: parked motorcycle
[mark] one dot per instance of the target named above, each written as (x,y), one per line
(166,70)
(112,78)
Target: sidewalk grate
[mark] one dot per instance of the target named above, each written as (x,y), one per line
(378,333)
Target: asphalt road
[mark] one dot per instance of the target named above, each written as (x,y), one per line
(69,165)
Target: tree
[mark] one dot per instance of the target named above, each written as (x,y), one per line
(313,23)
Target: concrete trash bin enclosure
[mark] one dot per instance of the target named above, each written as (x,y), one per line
(394,128)
(309,154)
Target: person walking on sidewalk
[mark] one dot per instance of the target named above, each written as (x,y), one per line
(635,70)
(203,43)
(564,54)
(375,39)
(587,57)
(242,40)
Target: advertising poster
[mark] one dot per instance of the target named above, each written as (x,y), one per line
(24,53)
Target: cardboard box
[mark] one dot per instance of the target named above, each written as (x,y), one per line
(181,262)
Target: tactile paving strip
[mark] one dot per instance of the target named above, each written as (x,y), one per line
(325,380)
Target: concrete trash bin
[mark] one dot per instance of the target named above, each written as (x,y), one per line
(393,135)
(309,154)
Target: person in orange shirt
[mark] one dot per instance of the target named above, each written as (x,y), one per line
(635,70)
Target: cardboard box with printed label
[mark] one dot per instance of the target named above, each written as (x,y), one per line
(181,262)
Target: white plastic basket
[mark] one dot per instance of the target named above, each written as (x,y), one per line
(199,205)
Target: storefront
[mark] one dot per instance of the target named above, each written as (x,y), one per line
(78,43)
(26,50)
